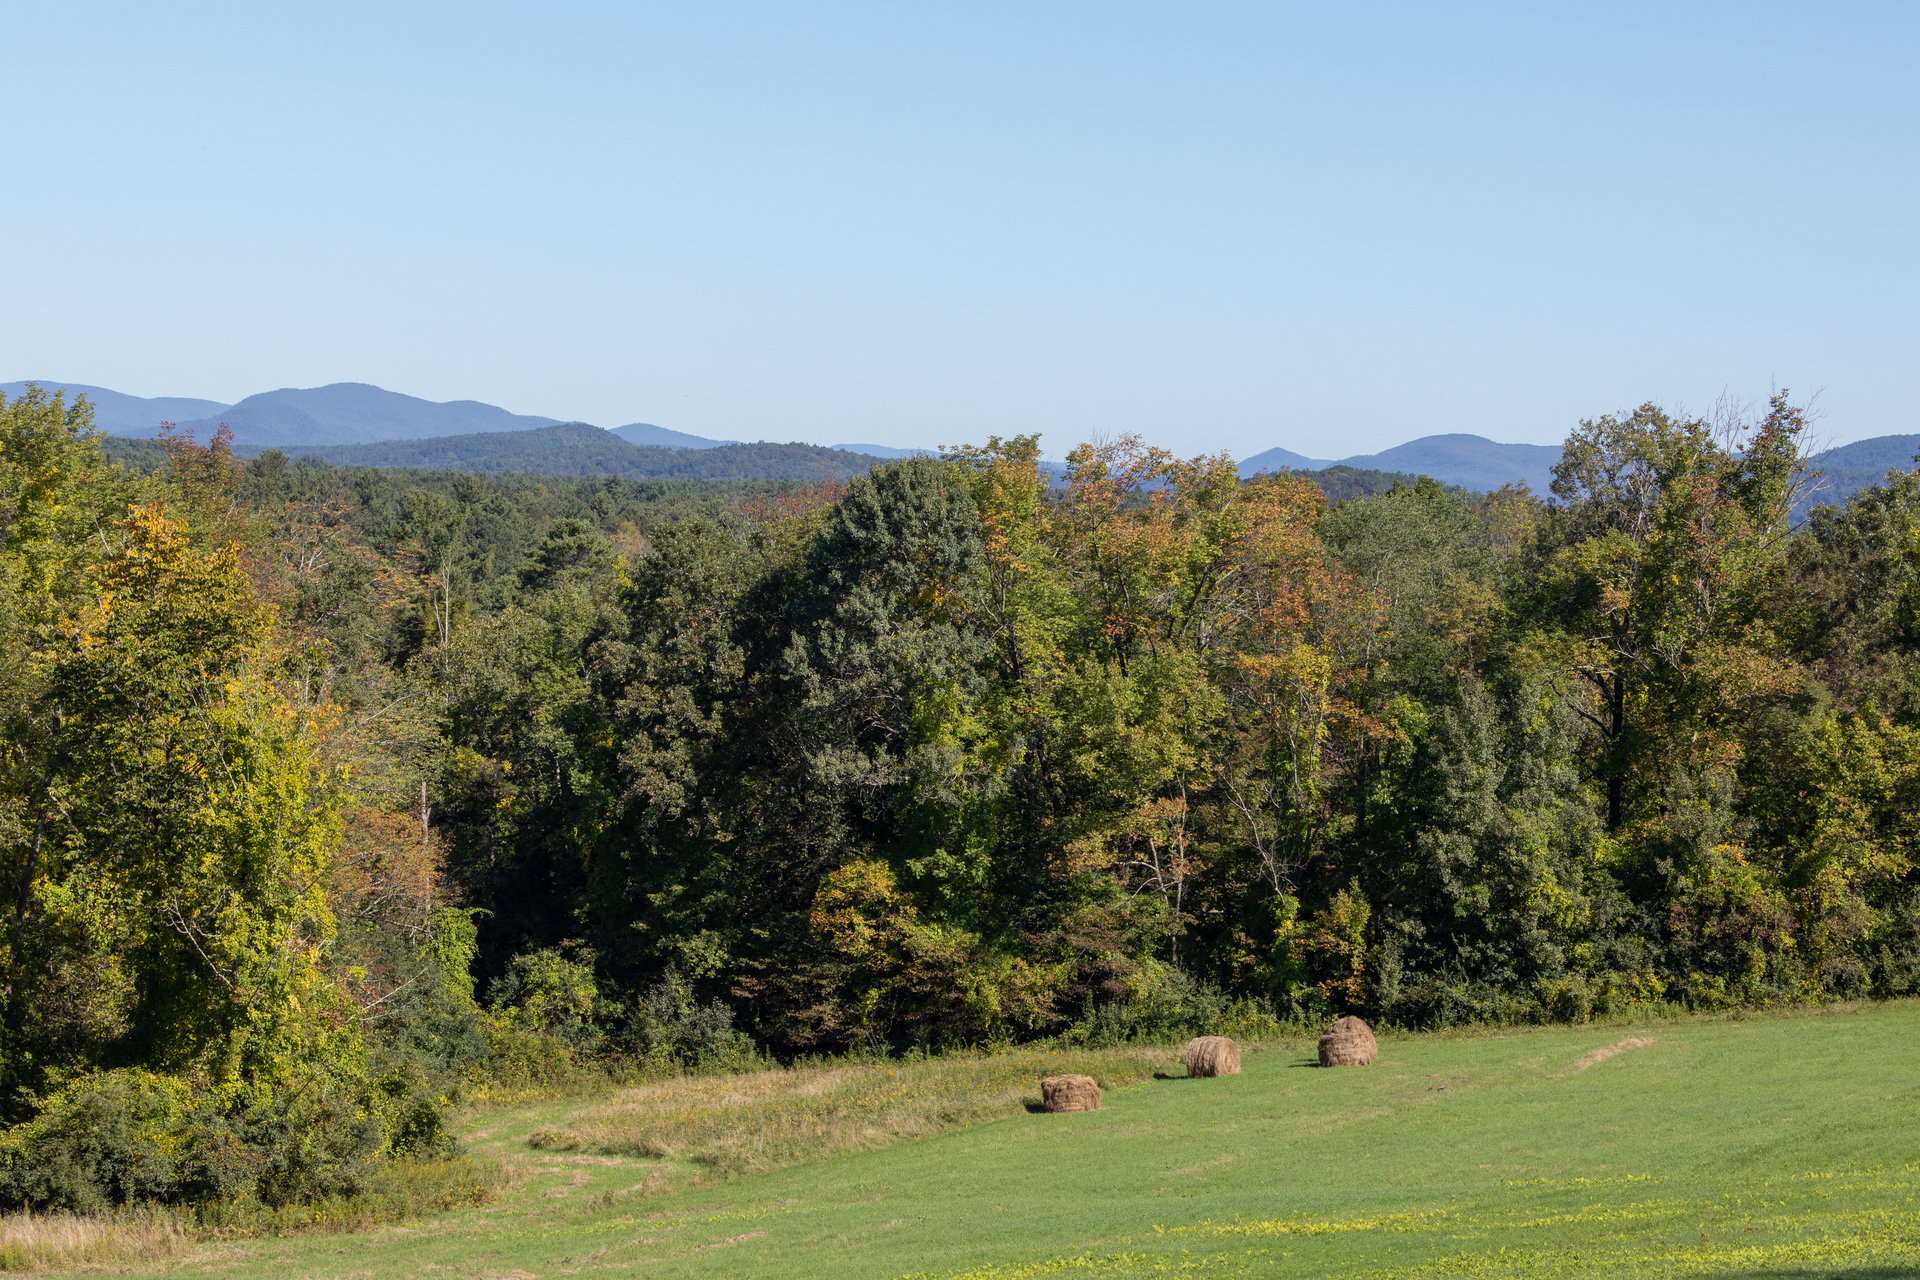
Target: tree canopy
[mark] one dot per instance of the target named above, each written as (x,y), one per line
(330,791)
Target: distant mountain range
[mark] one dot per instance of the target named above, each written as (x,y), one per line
(645,433)
(342,413)
(1476,463)
(884,450)
(1470,461)
(123,415)
(337,420)
(1852,467)
(580,449)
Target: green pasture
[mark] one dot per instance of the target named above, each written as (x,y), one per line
(1761,1147)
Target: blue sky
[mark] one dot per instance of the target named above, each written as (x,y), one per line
(1326,227)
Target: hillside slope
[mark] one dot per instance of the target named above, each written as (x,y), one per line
(124,415)
(1851,467)
(646,434)
(354,413)
(1282,459)
(1770,1146)
(1472,462)
(577,449)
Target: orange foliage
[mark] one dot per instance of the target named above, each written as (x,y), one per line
(768,508)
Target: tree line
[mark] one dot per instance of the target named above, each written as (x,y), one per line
(331,792)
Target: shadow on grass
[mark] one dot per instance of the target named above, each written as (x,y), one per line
(1827,1273)
(1161,1075)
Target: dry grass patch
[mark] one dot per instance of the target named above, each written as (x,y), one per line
(402,1190)
(50,1241)
(1599,1056)
(770,1119)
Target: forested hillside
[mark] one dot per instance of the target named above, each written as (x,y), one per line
(331,792)
(576,449)
(1337,483)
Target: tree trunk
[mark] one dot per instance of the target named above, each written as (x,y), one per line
(33,863)
(1617,767)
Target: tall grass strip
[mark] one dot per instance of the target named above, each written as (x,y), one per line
(770,1119)
(62,1241)
(403,1190)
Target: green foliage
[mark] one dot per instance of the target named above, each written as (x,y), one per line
(545,1022)
(576,449)
(187,781)
(131,1135)
(944,752)
(912,767)
(1172,1007)
(172,799)
(672,1029)
(104,1140)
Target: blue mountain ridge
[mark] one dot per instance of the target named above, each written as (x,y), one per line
(356,413)
(646,434)
(1882,454)
(1472,461)
(885,450)
(345,413)
(1276,459)
(582,449)
(124,415)
(339,413)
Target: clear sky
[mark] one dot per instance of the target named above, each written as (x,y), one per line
(1326,227)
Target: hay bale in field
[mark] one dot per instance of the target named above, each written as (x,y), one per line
(1070,1093)
(1212,1056)
(1349,1044)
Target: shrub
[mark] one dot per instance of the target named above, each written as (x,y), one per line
(519,1055)
(1174,1006)
(130,1136)
(429,1029)
(1891,953)
(101,1141)
(674,1030)
(1566,999)
(550,996)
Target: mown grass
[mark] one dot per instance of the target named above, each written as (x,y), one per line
(1759,1146)
(765,1120)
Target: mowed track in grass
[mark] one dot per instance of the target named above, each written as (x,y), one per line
(1765,1147)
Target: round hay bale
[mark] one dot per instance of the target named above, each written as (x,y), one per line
(1070,1093)
(1349,1044)
(1212,1056)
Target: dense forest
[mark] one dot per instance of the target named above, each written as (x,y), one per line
(577,449)
(568,449)
(330,791)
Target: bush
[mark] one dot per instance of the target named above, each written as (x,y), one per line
(672,1029)
(1891,953)
(544,1021)
(1566,999)
(550,996)
(101,1141)
(520,1056)
(429,1028)
(411,1114)
(1175,1007)
(131,1136)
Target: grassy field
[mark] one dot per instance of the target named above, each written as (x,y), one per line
(1765,1147)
